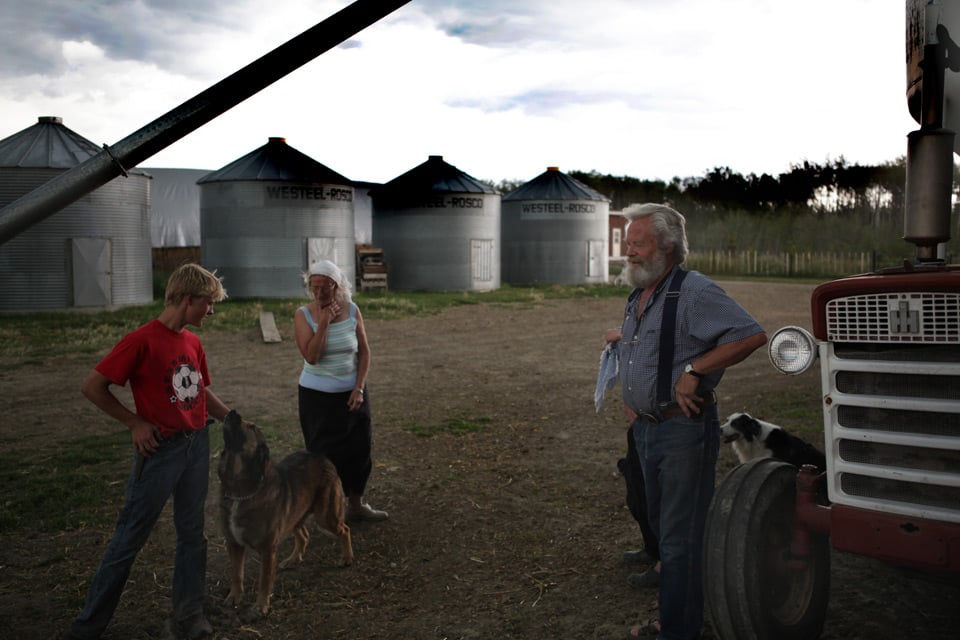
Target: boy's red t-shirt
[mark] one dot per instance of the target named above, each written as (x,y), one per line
(168,375)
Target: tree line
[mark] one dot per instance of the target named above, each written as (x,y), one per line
(830,206)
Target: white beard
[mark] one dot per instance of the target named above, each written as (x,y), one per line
(642,276)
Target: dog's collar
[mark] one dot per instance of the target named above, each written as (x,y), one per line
(247,497)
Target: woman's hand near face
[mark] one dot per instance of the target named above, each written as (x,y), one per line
(332,308)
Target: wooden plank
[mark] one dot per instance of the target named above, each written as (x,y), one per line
(268,327)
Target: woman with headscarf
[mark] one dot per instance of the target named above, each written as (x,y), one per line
(334,407)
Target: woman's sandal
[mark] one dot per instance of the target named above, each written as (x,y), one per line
(649,629)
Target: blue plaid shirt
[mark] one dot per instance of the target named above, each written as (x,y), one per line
(706,317)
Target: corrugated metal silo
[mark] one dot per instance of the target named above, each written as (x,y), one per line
(555,232)
(266,216)
(439,229)
(93,253)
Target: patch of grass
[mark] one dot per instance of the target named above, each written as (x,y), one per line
(389,305)
(63,489)
(383,306)
(456,426)
(796,409)
(56,333)
(42,334)
(244,313)
(808,418)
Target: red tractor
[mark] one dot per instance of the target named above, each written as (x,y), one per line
(888,345)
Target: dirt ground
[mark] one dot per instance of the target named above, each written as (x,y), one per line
(512,531)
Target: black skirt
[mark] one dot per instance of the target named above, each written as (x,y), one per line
(346,437)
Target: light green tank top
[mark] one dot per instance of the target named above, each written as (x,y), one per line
(336,370)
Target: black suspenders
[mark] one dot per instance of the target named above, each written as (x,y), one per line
(668,324)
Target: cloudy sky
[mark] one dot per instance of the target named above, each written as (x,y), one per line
(500,88)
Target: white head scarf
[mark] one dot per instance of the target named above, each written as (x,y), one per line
(332,271)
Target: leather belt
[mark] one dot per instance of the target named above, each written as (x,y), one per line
(671,410)
(179,435)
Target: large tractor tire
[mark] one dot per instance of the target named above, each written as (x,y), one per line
(752,590)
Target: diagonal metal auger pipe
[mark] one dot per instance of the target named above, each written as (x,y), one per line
(113,161)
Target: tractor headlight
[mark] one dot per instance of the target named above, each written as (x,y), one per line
(792,350)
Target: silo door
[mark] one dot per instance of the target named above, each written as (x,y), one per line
(323,249)
(481,257)
(91,271)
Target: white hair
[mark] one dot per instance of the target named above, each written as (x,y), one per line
(668,226)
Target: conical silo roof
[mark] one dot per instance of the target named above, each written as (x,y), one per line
(47,144)
(553,184)
(95,252)
(433,176)
(276,161)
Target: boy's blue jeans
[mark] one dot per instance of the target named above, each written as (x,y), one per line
(679,460)
(180,468)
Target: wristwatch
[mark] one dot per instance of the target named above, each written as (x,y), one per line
(689,369)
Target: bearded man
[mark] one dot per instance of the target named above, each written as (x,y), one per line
(680,332)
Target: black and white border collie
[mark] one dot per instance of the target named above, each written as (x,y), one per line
(752,438)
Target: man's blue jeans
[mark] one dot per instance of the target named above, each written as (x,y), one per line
(679,460)
(180,467)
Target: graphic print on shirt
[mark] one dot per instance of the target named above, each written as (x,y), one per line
(184,383)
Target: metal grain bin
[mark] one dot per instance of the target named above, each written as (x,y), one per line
(555,232)
(266,216)
(439,229)
(94,252)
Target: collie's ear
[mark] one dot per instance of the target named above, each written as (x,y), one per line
(747,425)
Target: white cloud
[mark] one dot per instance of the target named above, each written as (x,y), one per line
(501,89)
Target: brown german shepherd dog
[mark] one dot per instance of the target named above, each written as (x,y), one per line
(261,503)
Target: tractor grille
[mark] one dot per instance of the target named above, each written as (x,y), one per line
(895,317)
(870,383)
(914,493)
(893,412)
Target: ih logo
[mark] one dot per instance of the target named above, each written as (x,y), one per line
(904,320)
